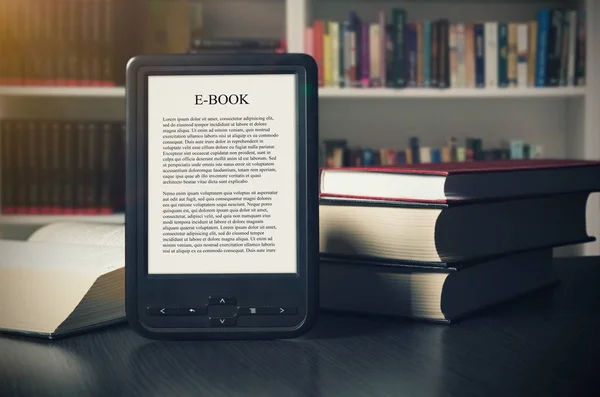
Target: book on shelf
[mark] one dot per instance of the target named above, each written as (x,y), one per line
(338,153)
(62,167)
(429,294)
(397,52)
(65,278)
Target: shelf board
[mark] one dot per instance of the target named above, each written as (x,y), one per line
(327,92)
(452,92)
(44,219)
(96,92)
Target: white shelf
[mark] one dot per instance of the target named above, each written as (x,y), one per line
(96,92)
(43,219)
(329,92)
(451,92)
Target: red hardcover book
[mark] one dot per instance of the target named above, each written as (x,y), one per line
(318,31)
(461,181)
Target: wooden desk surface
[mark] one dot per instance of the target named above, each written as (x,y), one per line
(545,344)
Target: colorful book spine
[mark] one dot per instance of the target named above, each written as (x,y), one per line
(411,45)
(491,54)
(453,55)
(478,29)
(365,72)
(374,55)
(554,48)
(580,69)
(522,55)
(542,47)
(419,63)
(461,56)
(427,53)
(334,37)
(318,33)
(382,49)
(572,15)
(502,55)
(399,27)
(327,55)
(511,69)
(443,63)
(532,58)
(564,50)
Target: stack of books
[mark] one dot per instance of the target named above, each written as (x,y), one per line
(439,241)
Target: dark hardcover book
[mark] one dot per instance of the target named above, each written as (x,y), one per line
(435,48)
(526,151)
(21,174)
(32,167)
(502,54)
(365,70)
(91,181)
(542,47)
(44,173)
(555,33)
(56,170)
(107,150)
(443,54)
(341,54)
(453,145)
(477,149)
(415,149)
(368,157)
(436,156)
(411,55)
(8,174)
(469,149)
(70,153)
(580,51)
(400,157)
(81,173)
(118,167)
(479,55)
(390,72)
(399,34)
(564,49)
(430,294)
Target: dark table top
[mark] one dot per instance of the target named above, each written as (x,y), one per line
(543,344)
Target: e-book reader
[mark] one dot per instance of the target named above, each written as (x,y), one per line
(222,196)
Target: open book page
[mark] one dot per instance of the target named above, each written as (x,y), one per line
(45,255)
(107,235)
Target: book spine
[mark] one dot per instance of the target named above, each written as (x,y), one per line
(427,53)
(342,58)
(80,174)
(365,71)
(389,56)
(453,55)
(491,54)
(334,30)
(444,65)
(69,154)
(502,54)
(8,145)
(415,150)
(32,168)
(572,45)
(27,43)
(91,181)
(382,50)
(461,72)
(309,41)
(108,42)
(470,55)
(374,56)
(411,56)
(21,194)
(516,149)
(580,56)
(512,59)
(564,50)
(399,26)
(532,49)
(522,55)
(542,47)
(554,48)
(55,177)
(479,55)
(84,47)
(327,54)
(96,43)
(352,78)
(319,27)
(45,177)
(357,28)
(74,67)
(420,81)
(435,48)
(106,181)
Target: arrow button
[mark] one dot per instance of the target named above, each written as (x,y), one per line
(222,321)
(221,300)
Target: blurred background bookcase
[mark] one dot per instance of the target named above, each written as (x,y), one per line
(565,121)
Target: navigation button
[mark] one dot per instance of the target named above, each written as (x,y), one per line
(176,311)
(221,300)
(267,310)
(222,321)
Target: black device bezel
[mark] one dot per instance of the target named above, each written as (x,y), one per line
(142,288)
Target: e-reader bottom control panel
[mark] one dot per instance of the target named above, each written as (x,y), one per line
(223,311)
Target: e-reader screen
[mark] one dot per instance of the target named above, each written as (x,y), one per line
(222,155)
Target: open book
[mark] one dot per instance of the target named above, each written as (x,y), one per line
(66,277)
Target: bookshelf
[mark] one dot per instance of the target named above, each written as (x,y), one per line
(565,120)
